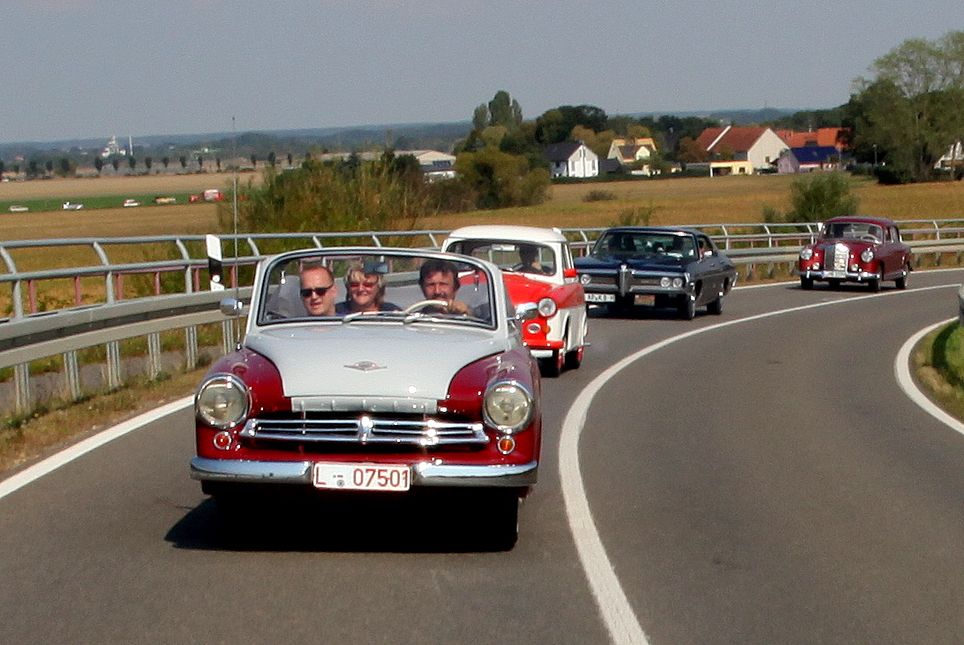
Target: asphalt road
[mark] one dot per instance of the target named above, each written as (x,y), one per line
(765,481)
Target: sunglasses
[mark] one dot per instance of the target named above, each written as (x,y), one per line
(368,284)
(318,291)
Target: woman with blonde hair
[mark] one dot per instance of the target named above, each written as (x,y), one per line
(365,291)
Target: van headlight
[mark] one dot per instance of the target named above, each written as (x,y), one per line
(547,307)
(507,406)
(222,401)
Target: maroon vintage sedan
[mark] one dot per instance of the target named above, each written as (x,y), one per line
(865,250)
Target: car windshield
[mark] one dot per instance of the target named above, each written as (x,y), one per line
(524,257)
(645,244)
(358,287)
(854,231)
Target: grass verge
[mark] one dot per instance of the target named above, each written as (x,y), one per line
(25,440)
(938,362)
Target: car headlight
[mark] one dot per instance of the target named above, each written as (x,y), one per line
(806,254)
(547,307)
(664,282)
(585,278)
(867,255)
(508,406)
(222,401)
(677,283)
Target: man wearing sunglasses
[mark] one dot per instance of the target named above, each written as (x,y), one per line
(318,290)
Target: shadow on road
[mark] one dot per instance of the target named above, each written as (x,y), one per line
(355,523)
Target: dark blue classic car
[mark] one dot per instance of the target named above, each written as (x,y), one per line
(657,267)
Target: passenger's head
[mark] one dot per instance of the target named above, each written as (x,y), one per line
(528,254)
(318,289)
(365,288)
(438,279)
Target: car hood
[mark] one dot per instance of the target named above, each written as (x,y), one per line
(647,263)
(523,288)
(361,360)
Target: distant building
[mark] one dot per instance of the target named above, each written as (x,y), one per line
(633,152)
(113,149)
(808,159)
(758,146)
(571,159)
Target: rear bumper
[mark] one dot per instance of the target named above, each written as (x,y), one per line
(423,473)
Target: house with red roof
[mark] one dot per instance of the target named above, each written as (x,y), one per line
(758,147)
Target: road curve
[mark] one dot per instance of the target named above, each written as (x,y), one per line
(766,481)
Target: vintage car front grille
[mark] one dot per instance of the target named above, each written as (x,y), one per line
(836,257)
(365,430)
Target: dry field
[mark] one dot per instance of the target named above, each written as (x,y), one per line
(700,200)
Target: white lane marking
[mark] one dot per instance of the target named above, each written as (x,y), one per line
(67,455)
(906,382)
(617,613)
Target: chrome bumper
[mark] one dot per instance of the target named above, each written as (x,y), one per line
(848,276)
(423,473)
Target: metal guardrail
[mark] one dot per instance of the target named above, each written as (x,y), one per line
(33,335)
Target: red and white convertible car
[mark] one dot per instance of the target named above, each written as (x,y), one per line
(537,268)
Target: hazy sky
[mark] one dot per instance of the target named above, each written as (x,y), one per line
(93,68)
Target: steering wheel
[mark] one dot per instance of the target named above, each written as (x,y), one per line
(423,304)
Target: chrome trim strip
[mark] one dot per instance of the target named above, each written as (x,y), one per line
(366,430)
(424,473)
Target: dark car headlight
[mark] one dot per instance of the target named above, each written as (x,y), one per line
(585,278)
(507,406)
(222,401)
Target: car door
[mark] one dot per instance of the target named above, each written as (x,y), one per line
(711,269)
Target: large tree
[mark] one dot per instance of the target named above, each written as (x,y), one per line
(910,110)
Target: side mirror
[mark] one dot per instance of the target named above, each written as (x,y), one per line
(232,307)
(526,311)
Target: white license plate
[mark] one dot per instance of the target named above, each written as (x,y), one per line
(835,274)
(647,299)
(362,477)
(600,297)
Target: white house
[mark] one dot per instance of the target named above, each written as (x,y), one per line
(435,165)
(571,159)
(759,146)
(953,158)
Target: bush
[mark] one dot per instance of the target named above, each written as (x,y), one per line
(816,197)
(599,196)
(349,196)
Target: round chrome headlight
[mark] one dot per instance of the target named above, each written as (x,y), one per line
(585,278)
(806,254)
(222,401)
(677,283)
(547,307)
(507,406)
(867,255)
(664,282)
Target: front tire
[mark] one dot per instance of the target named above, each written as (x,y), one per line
(901,282)
(574,358)
(716,307)
(552,367)
(687,308)
(806,283)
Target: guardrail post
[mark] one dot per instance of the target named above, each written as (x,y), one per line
(190,347)
(72,375)
(154,355)
(32,296)
(113,366)
(21,375)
